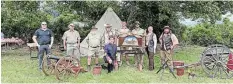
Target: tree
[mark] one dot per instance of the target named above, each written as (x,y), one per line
(19,18)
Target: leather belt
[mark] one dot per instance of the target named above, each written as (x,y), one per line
(94,46)
(71,43)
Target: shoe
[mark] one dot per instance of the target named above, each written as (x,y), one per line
(103,67)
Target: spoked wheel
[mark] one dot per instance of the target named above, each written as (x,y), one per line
(214,62)
(48,65)
(214,46)
(65,68)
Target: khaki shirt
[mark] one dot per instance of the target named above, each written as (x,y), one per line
(71,36)
(124,32)
(106,36)
(138,32)
(94,39)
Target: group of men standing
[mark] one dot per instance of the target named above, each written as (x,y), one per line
(44,37)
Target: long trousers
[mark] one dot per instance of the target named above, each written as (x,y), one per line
(150,58)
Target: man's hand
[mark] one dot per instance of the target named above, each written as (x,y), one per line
(154,49)
(110,61)
(172,47)
(38,45)
(50,46)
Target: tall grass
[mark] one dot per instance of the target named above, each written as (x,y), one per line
(17,67)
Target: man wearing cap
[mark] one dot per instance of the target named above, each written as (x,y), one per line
(71,42)
(124,31)
(139,33)
(43,37)
(168,42)
(94,41)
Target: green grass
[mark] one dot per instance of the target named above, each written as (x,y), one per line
(17,67)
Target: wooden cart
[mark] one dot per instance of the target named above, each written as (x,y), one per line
(61,67)
(137,45)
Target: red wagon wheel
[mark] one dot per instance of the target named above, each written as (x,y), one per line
(48,65)
(65,68)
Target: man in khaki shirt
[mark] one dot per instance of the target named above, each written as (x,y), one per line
(94,41)
(71,42)
(139,33)
(108,32)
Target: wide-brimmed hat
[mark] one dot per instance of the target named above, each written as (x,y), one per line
(93,27)
(43,23)
(107,25)
(137,22)
(166,27)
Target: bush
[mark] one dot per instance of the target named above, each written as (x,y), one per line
(206,34)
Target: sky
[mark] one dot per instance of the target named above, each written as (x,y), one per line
(189,22)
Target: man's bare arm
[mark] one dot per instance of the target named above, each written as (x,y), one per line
(35,41)
(51,43)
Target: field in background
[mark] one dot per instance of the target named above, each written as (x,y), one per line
(17,67)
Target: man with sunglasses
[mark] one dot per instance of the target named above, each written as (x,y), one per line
(71,42)
(43,37)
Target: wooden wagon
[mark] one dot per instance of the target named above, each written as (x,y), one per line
(216,61)
(137,47)
(61,67)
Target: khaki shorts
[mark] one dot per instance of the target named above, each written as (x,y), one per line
(93,51)
(73,50)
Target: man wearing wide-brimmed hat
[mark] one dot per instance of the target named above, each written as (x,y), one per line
(139,33)
(168,42)
(94,41)
(108,32)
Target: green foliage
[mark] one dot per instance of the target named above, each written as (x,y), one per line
(60,24)
(210,11)
(22,18)
(206,34)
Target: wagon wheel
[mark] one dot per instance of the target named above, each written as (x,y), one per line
(63,68)
(214,46)
(48,65)
(214,62)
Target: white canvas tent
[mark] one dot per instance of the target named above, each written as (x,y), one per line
(109,17)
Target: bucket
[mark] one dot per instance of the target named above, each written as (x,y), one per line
(76,68)
(97,70)
(179,71)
